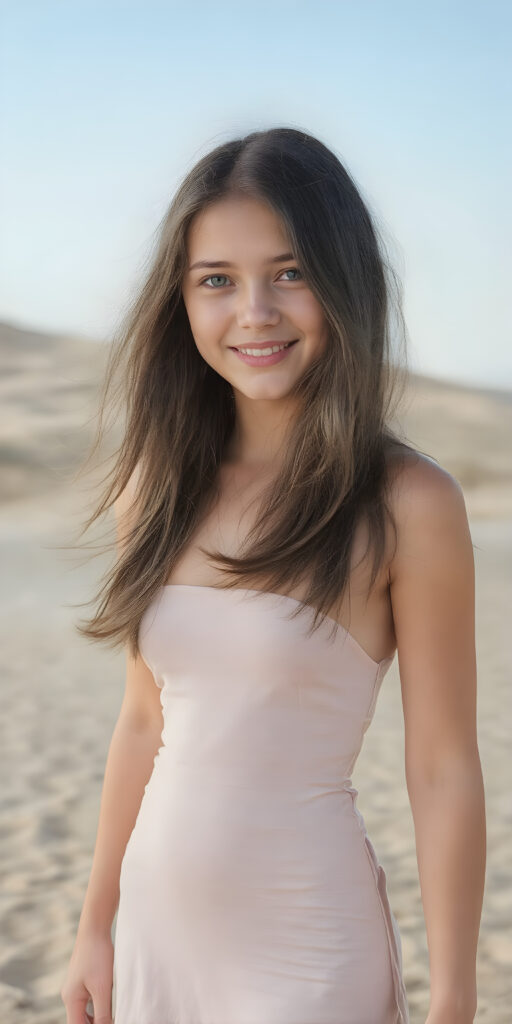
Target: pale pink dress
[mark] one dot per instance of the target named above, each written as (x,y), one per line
(250,892)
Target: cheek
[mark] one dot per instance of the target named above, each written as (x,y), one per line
(313,319)
(206,320)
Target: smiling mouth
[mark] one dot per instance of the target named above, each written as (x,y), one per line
(269,349)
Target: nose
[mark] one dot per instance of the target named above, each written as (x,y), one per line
(257,308)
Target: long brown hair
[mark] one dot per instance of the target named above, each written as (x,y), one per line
(179,413)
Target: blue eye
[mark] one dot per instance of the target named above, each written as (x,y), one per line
(217,277)
(213,277)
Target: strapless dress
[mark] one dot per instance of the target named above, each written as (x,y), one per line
(250,892)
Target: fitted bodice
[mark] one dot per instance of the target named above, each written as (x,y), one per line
(235,658)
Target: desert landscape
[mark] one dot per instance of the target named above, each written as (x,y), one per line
(60,695)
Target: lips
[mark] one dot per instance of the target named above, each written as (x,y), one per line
(262,344)
(261,360)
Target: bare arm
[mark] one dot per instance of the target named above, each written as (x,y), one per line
(129,764)
(432,593)
(133,747)
(128,768)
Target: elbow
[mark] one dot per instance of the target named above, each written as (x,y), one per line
(461,770)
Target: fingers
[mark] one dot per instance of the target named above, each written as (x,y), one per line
(76,1010)
(102,1009)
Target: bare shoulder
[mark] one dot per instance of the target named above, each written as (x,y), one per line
(431,518)
(415,476)
(427,502)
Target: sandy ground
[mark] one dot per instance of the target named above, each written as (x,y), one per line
(60,696)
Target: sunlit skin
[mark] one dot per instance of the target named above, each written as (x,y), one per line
(251,300)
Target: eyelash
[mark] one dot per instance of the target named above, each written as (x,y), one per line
(218,289)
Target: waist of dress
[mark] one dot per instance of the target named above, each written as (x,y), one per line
(305,779)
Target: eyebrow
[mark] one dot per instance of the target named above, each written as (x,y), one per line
(224,263)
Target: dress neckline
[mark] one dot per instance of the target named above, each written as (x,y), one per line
(283,597)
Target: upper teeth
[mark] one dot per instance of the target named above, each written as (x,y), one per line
(264,351)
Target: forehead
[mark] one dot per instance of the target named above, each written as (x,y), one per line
(235,223)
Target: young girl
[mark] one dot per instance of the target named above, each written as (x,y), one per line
(278,542)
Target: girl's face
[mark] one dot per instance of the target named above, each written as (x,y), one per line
(257,295)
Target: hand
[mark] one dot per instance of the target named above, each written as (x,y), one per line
(89,979)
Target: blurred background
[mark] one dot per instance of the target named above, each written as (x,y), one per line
(104,107)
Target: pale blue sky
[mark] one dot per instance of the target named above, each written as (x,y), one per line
(105,105)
